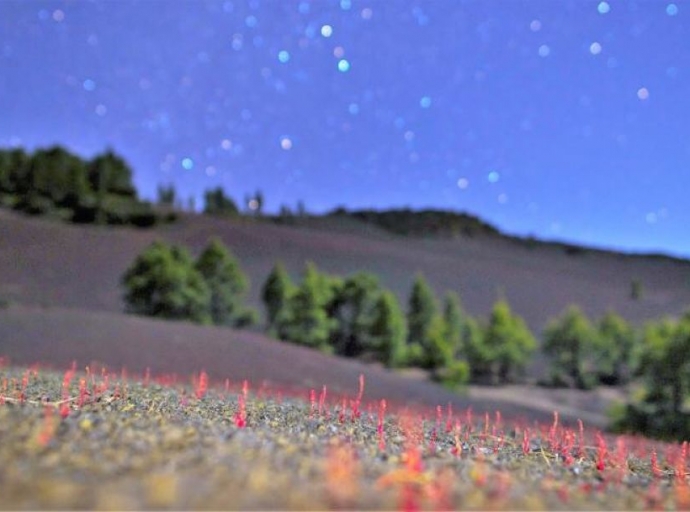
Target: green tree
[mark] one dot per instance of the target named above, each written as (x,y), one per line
(110,174)
(14,170)
(453,316)
(58,175)
(217,203)
(276,295)
(389,330)
(665,370)
(162,282)
(353,309)
(227,284)
(310,324)
(420,313)
(614,349)
(508,344)
(570,342)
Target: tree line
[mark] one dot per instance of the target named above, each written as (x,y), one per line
(356,317)
(53,181)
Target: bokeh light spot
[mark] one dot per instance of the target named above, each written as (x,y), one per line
(89,85)
(544,50)
(338,52)
(367,13)
(286,143)
(595,48)
(283,56)
(643,93)
(58,15)
(353,108)
(603,7)
(343,65)
(493,177)
(463,183)
(345,5)
(671,9)
(187,164)
(326,31)
(303,7)
(226,144)
(535,26)
(425,102)
(251,21)
(101,110)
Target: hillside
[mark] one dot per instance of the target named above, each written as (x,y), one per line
(50,263)
(62,285)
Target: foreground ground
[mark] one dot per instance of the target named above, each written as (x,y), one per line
(107,441)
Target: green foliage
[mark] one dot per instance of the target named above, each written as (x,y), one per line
(389,330)
(507,345)
(276,294)
(162,282)
(227,285)
(453,317)
(310,324)
(635,289)
(109,174)
(665,371)
(420,313)
(423,222)
(353,307)
(454,375)
(217,203)
(614,349)
(55,181)
(570,341)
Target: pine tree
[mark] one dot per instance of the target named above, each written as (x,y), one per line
(162,282)
(310,324)
(227,284)
(570,340)
(453,321)
(389,330)
(614,349)
(508,344)
(421,311)
(276,294)
(352,308)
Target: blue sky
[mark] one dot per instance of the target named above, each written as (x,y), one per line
(559,119)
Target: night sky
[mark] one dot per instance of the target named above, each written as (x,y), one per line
(565,120)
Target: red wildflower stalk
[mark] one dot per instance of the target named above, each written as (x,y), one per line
(245,388)
(681,459)
(241,414)
(379,426)
(457,448)
(49,426)
(361,388)
(341,413)
(439,416)
(322,401)
(4,391)
(147,377)
(82,392)
(449,419)
(227,385)
(568,443)
(553,441)
(201,385)
(656,470)
(602,452)
(581,444)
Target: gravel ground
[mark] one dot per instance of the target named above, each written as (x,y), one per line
(105,442)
